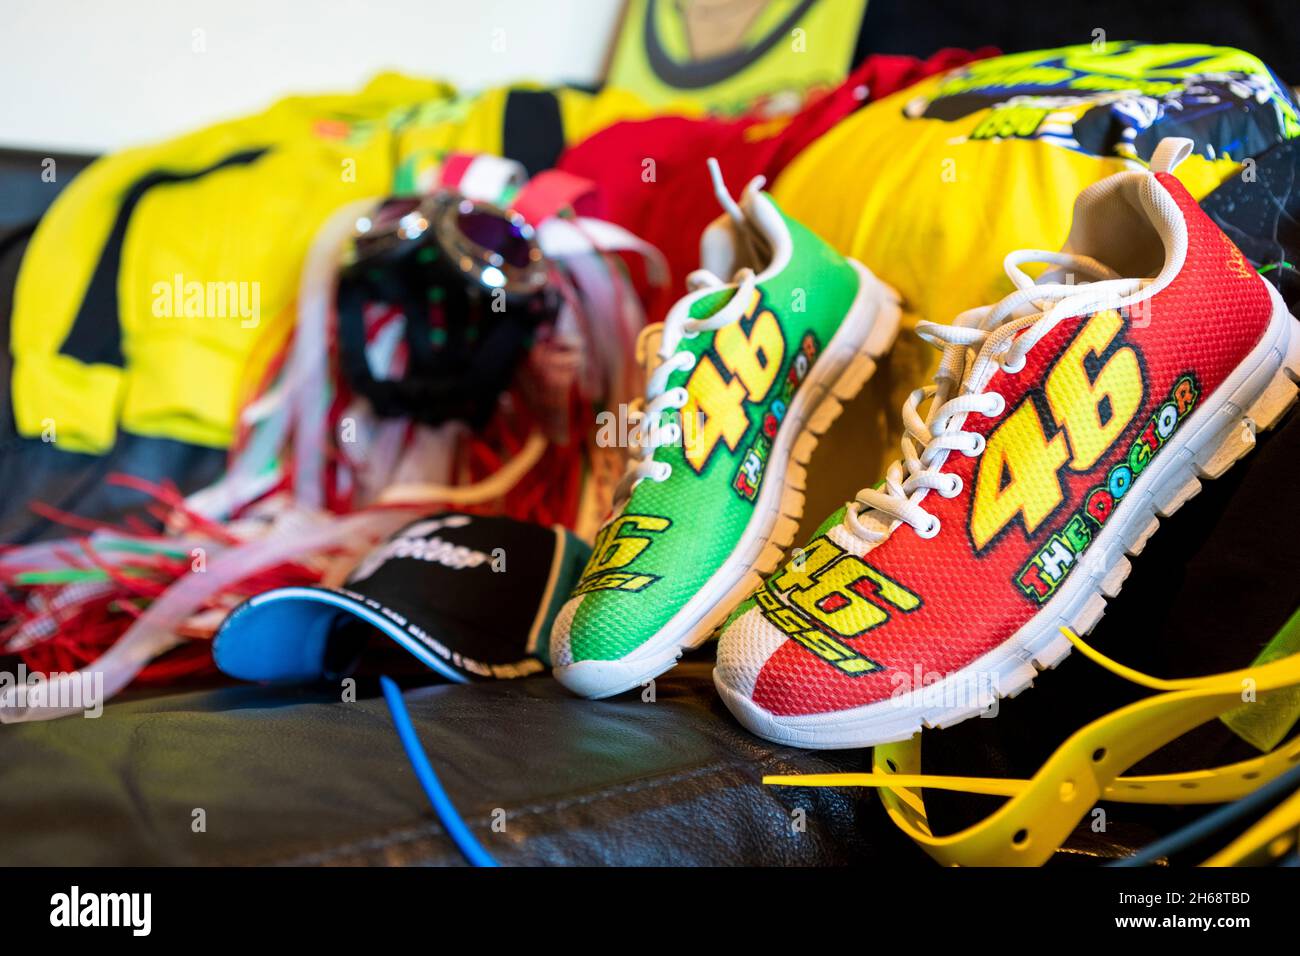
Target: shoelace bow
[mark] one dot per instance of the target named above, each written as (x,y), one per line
(994,335)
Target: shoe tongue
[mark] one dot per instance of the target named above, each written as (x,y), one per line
(729,245)
(873,520)
(707,305)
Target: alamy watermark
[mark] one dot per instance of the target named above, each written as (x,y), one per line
(978,690)
(58,690)
(626,427)
(179,298)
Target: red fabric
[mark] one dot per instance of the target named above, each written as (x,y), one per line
(454,168)
(1205,323)
(672,209)
(550,192)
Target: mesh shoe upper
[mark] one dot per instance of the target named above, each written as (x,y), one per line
(849,623)
(672,535)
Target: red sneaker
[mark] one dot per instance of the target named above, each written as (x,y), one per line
(1063,423)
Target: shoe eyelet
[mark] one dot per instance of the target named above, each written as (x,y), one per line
(955,486)
(665,471)
(1011,368)
(1001,406)
(980,443)
(930,530)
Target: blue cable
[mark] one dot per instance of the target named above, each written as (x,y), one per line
(460,834)
(1258,801)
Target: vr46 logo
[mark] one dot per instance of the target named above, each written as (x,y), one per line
(750,353)
(1091,395)
(1049,566)
(617,545)
(830,595)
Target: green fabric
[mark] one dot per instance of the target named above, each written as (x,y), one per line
(1264,723)
(707,515)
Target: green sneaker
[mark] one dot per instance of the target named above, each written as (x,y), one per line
(745,376)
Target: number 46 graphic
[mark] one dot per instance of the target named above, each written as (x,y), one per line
(1091,395)
(715,411)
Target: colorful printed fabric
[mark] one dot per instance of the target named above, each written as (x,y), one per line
(929,188)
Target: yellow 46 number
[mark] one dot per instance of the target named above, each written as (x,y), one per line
(715,410)
(617,545)
(833,596)
(1019,471)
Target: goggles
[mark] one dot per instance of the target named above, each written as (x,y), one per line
(472,286)
(488,245)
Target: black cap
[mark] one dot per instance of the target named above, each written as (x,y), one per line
(472,597)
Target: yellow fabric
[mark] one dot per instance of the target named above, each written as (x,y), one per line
(934,218)
(933,205)
(587,113)
(475,125)
(469,124)
(779,59)
(188,370)
(247,224)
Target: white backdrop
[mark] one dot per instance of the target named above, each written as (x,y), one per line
(93,75)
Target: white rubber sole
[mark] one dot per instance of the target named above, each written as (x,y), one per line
(837,376)
(1254,397)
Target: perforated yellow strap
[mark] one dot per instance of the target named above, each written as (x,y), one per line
(1042,812)
(1271,838)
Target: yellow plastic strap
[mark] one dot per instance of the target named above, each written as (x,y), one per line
(1042,812)
(1267,841)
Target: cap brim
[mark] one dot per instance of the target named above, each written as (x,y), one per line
(281,636)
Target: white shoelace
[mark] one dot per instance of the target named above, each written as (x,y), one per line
(648,432)
(993,334)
